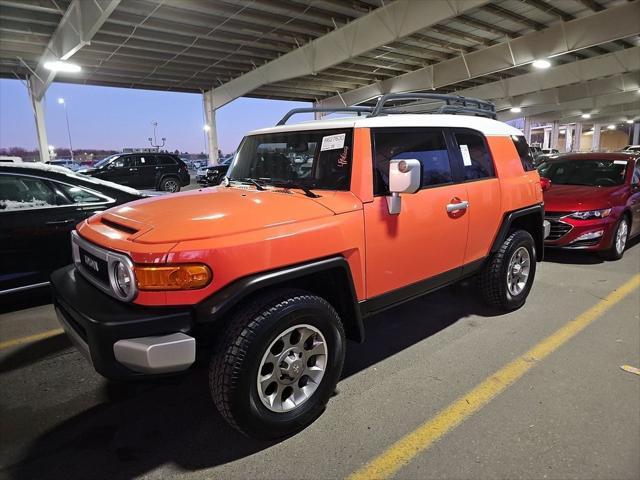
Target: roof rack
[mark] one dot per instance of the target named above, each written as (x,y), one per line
(453,104)
(295,111)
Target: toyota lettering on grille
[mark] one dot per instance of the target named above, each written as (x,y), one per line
(90,262)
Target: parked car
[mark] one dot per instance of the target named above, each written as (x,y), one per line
(159,171)
(70,164)
(214,175)
(592,201)
(277,269)
(39,207)
(632,149)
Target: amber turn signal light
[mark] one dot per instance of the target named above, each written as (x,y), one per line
(172,277)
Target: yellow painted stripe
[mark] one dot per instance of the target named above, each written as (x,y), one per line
(408,447)
(31,338)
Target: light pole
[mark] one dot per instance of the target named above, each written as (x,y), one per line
(153,141)
(66,114)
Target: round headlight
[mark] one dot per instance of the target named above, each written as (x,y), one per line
(123,279)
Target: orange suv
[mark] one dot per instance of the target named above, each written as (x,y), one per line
(316,227)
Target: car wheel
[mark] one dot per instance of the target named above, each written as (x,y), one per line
(619,243)
(170,184)
(507,277)
(278,363)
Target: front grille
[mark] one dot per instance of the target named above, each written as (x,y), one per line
(558,228)
(94,266)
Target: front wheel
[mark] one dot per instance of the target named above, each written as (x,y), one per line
(620,238)
(278,364)
(507,277)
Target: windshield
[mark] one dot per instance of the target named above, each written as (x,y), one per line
(104,161)
(313,159)
(593,172)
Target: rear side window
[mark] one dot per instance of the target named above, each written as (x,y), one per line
(145,160)
(476,160)
(525,154)
(166,160)
(426,145)
(18,192)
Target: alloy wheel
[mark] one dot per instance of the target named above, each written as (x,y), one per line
(292,368)
(518,271)
(621,236)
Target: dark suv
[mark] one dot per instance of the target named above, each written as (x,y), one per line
(159,171)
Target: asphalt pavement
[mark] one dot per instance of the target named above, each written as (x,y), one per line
(572,414)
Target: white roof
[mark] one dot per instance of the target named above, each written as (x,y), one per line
(484,125)
(43,167)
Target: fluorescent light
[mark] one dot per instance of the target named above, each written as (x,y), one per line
(541,63)
(61,101)
(629,122)
(61,66)
(206,128)
(586,115)
(515,110)
(611,127)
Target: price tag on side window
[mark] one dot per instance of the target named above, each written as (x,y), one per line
(466,158)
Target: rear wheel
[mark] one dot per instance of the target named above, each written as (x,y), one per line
(170,184)
(278,364)
(508,276)
(619,243)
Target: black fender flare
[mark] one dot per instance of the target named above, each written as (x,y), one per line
(511,217)
(214,307)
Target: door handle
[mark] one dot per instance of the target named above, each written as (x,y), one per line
(454,207)
(60,222)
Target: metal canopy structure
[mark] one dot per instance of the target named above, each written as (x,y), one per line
(330,52)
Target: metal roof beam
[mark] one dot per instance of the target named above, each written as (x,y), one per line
(79,24)
(383,25)
(559,38)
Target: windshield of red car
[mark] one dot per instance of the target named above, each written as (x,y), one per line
(316,159)
(591,172)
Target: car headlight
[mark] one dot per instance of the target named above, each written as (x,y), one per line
(591,214)
(123,280)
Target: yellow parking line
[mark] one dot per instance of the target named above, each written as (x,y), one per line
(31,338)
(408,447)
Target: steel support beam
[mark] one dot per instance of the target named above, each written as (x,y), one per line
(210,126)
(41,128)
(77,27)
(382,26)
(560,38)
(595,141)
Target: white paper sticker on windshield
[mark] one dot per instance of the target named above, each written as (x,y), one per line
(333,142)
(620,162)
(466,158)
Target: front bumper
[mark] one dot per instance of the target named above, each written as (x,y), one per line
(574,234)
(122,340)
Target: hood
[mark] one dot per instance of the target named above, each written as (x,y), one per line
(573,198)
(211,212)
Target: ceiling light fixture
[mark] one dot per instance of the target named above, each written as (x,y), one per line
(629,122)
(515,110)
(541,63)
(611,127)
(62,66)
(586,115)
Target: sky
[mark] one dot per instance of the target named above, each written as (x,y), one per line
(115,118)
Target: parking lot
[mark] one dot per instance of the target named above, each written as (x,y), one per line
(567,411)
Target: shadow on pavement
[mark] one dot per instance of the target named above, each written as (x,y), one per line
(34,352)
(137,427)
(578,257)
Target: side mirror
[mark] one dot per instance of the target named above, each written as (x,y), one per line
(404,177)
(545,183)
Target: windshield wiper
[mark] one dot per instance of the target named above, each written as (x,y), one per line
(293,184)
(252,181)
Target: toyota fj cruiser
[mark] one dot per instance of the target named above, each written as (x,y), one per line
(317,226)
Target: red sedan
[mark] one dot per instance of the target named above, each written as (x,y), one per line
(592,201)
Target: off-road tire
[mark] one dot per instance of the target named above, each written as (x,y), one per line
(234,364)
(166,181)
(612,253)
(493,278)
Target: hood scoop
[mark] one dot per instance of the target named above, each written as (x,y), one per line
(118,226)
